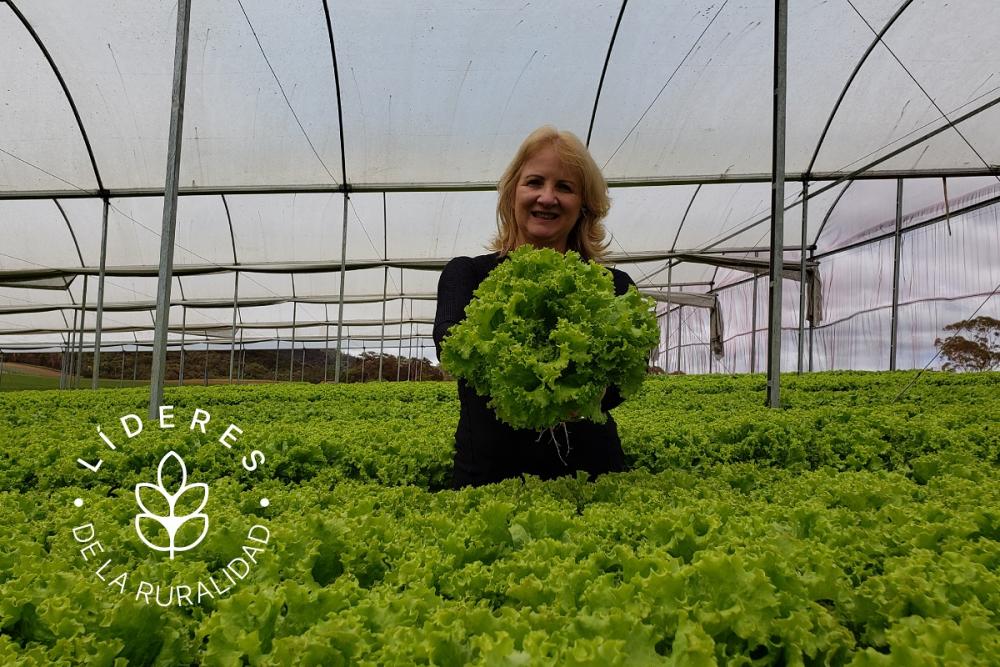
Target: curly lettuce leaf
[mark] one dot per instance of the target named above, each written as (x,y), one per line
(545,335)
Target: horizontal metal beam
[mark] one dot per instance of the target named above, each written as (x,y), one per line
(486,186)
(644,285)
(222,343)
(227,303)
(219,329)
(11,277)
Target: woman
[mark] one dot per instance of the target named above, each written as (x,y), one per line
(552,195)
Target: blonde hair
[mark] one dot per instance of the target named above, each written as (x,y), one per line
(587,235)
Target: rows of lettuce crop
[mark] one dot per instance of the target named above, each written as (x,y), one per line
(850,527)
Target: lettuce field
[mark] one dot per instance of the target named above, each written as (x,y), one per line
(848,528)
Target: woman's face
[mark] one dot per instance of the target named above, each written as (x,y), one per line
(547,201)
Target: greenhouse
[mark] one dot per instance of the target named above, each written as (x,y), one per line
(243,176)
(388,126)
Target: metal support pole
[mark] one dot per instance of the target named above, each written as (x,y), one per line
(232,337)
(62,365)
(802,276)
(777,205)
(100,297)
(347,358)
(169,224)
(362,363)
(812,325)
(343,275)
(409,348)
(71,353)
(897,242)
(302,374)
(277,353)
(180,370)
(753,327)
(399,349)
(135,363)
(79,341)
(326,343)
(680,320)
(121,375)
(205,379)
(291,354)
(1,367)
(385,282)
(666,325)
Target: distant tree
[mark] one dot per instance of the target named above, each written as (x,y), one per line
(980,353)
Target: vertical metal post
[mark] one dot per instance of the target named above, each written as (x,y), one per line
(666,325)
(326,343)
(812,324)
(753,327)
(343,275)
(79,341)
(802,275)
(385,282)
(302,374)
(362,363)
(777,205)
(347,358)
(409,347)
(897,242)
(680,321)
(232,336)
(135,362)
(121,375)
(180,370)
(169,224)
(71,350)
(277,352)
(291,354)
(205,379)
(399,349)
(100,297)
(65,361)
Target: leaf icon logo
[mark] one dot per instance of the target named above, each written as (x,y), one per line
(158,497)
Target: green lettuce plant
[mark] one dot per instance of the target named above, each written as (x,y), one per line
(545,335)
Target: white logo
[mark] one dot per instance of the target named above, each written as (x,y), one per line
(171,519)
(171,522)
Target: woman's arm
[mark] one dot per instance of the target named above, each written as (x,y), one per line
(455,288)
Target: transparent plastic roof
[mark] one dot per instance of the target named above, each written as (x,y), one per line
(428,104)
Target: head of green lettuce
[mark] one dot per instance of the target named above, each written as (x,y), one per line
(545,335)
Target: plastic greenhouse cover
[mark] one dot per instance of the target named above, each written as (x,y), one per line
(435,96)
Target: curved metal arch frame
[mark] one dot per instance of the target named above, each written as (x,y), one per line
(829,212)
(850,80)
(69,97)
(604,70)
(340,104)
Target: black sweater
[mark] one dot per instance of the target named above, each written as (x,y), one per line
(486,449)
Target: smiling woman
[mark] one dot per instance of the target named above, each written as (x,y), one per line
(552,195)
